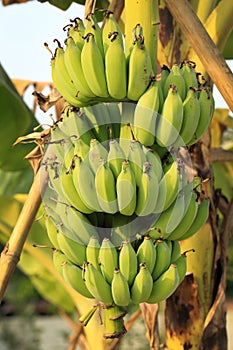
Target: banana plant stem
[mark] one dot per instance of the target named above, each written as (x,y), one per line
(205,48)
(13,248)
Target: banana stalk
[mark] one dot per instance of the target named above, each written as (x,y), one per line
(145,13)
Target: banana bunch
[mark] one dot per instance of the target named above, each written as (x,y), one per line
(84,70)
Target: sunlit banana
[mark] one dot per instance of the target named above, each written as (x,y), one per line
(140,70)
(97,285)
(200,219)
(165,285)
(108,259)
(82,174)
(72,59)
(97,153)
(170,121)
(175,78)
(93,67)
(148,190)
(92,252)
(128,261)
(105,185)
(191,116)
(155,160)
(163,258)
(92,27)
(142,285)
(189,74)
(136,158)
(145,115)
(74,250)
(115,157)
(110,26)
(77,32)
(126,190)
(146,253)
(120,289)
(115,62)
(74,277)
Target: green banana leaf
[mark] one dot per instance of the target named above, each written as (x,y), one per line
(13,182)
(16,120)
(35,262)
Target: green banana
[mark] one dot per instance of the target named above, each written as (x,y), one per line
(175,251)
(115,62)
(115,157)
(97,153)
(181,265)
(77,32)
(155,160)
(175,77)
(121,228)
(97,285)
(92,27)
(142,285)
(170,121)
(82,174)
(146,253)
(59,260)
(148,191)
(72,59)
(93,67)
(145,115)
(52,231)
(73,275)
(200,219)
(105,186)
(115,118)
(92,252)
(165,285)
(128,261)
(74,250)
(163,258)
(136,158)
(140,70)
(191,115)
(96,120)
(126,135)
(120,289)
(163,77)
(81,149)
(189,74)
(110,26)
(126,190)
(108,259)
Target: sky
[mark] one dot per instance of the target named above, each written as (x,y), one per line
(23,30)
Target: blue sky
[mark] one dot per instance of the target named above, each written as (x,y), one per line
(23,30)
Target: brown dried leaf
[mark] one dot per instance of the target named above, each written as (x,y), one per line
(45,102)
(149,313)
(10,2)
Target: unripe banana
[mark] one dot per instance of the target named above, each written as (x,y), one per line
(126,135)
(115,62)
(96,153)
(163,258)
(128,262)
(84,182)
(81,149)
(72,59)
(74,250)
(126,190)
(105,186)
(115,118)
(115,157)
(108,259)
(142,285)
(97,285)
(176,251)
(52,231)
(120,289)
(164,74)
(146,113)
(191,115)
(110,26)
(148,190)
(136,158)
(189,74)
(175,78)
(200,219)
(170,121)
(181,265)
(93,67)
(121,228)
(92,27)
(98,126)
(73,275)
(92,252)
(77,32)
(165,285)
(140,70)
(146,253)
(155,160)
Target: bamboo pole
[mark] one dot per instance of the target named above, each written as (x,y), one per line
(205,48)
(13,248)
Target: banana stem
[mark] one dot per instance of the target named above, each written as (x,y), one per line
(206,50)
(144,12)
(113,321)
(13,248)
